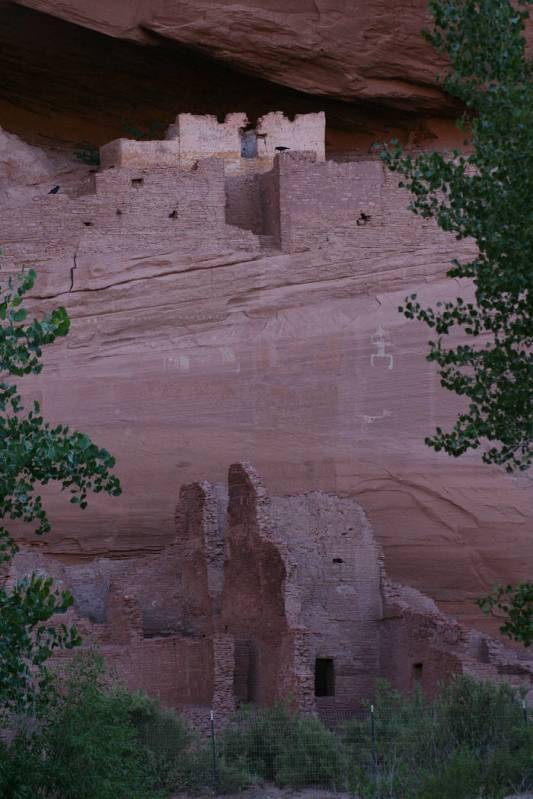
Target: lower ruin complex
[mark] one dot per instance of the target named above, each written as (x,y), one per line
(262,599)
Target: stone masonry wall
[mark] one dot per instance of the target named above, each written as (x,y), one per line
(243,202)
(133,154)
(322,200)
(419,646)
(253,609)
(252,593)
(333,589)
(168,210)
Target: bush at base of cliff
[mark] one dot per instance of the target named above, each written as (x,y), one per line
(81,745)
(470,742)
(277,745)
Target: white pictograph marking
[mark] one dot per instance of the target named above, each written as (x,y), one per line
(228,355)
(372,419)
(381,340)
(181,363)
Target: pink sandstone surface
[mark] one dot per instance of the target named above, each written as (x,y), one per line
(65,84)
(196,342)
(349,49)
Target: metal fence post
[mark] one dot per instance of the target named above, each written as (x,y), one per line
(214,754)
(374,744)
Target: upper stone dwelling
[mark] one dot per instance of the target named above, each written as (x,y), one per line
(260,598)
(243,147)
(277,182)
(210,190)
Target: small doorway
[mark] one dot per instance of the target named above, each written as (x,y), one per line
(244,687)
(324,677)
(417,674)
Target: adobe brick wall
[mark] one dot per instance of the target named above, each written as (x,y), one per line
(253,606)
(319,201)
(253,590)
(204,136)
(304,132)
(192,138)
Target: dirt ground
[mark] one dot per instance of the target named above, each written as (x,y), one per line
(271,792)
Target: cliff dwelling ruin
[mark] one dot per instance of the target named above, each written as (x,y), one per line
(252,598)
(263,598)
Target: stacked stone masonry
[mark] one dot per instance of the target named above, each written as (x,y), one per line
(256,593)
(203,201)
(243,147)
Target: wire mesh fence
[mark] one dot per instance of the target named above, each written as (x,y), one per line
(384,752)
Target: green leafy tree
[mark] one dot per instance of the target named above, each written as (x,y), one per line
(516,605)
(34,453)
(484,194)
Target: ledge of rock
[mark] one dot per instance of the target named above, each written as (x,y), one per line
(347,49)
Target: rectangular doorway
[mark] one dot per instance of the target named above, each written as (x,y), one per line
(324,677)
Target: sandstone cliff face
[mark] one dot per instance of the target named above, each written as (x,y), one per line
(195,342)
(64,84)
(342,48)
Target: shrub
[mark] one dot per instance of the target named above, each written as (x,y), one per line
(259,738)
(312,756)
(166,739)
(276,745)
(477,715)
(470,741)
(94,740)
(82,745)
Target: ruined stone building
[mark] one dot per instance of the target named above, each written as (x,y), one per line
(204,192)
(264,598)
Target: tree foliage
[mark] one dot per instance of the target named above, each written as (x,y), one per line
(34,453)
(484,194)
(516,605)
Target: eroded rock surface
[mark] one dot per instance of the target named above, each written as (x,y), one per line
(349,49)
(264,329)
(66,85)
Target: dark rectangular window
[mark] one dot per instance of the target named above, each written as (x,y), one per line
(244,672)
(324,677)
(418,670)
